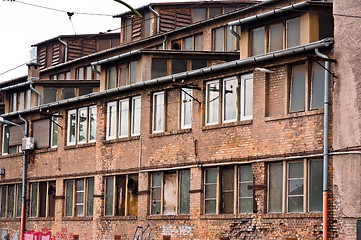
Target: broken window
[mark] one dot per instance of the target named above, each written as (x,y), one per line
(170,193)
(42,199)
(286,186)
(120,195)
(79,197)
(158,123)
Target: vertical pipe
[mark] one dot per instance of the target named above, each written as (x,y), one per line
(236,35)
(325,145)
(66,49)
(158,17)
(37,93)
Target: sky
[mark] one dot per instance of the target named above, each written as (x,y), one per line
(22,24)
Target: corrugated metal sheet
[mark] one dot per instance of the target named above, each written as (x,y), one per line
(171,19)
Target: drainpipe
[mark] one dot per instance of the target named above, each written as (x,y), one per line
(235,34)
(158,17)
(66,49)
(325,144)
(164,42)
(35,91)
(23,187)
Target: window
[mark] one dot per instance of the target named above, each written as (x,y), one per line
(222,95)
(293,32)
(54,132)
(42,133)
(306,87)
(258,36)
(133,72)
(120,196)
(79,197)
(19,102)
(50,95)
(194,42)
(82,125)
(275,37)
(286,186)
(84,73)
(61,76)
(122,75)
(67,93)
(42,199)
(170,193)
(224,40)
(162,67)
(223,195)
(10,201)
(186,108)
(111,77)
(12,139)
(199,14)
(127,122)
(158,114)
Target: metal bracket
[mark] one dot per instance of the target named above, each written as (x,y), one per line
(49,116)
(189,87)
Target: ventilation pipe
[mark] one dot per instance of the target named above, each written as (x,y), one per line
(66,49)
(325,144)
(158,17)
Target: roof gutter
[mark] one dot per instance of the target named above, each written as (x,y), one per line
(19,85)
(194,73)
(268,14)
(158,17)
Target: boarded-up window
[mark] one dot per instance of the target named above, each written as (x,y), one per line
(41,133)
(297,90)
(170,194)
(275,187)
(16,135)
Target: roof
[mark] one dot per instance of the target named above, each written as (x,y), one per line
(310,47)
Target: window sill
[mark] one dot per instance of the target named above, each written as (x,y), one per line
(10,219)
(292,215)
(35,219)
(125,139)
(162,134)
(77,218)
(227,216)
(295,115)
(85,145)
(226,125)
(8,155)
(45,150)
(118,218)
(168,217)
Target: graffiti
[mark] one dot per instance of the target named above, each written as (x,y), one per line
(176,231)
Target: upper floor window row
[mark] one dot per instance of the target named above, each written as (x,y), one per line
(82,125)
(52,94)
(84,73)
(224,40)
(275,37)
(121,75)
(20,101)
(123,118)
(61,76)
(194,42)
(201,13)
(229,99)
(162,66)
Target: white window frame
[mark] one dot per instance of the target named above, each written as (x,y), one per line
(85,125)
(90,122)
(162,127)
(224,80)
(244,78)
(186,100)
(133,111)
(109,126)
(70,143)
(207,102)
(120,123)
(53,122)
(3,140)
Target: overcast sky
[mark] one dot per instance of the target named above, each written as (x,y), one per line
(23,25)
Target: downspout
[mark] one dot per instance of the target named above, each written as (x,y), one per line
(35,91)
(158,17)
(66,49)
(165,42)
(23,187)
(235,34)
(325,144)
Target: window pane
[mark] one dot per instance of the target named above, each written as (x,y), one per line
(214,11)
(245,201)
(123,73)
(109,182)
(51,198)
(49,95)
(2,201)
(186,114)
(315,185)
(90,196)
(227,192)
(210,190)
(275,187)
(258,41)
(293,32)
(159,67)
(156,193)
(92,123)
(43,192)
(275,37)
(111,77)
(85,90)
(198,42)
(82,123)
(11,201)
(297,93)
(67,93)
(210,206)
(79,197)
(6,137)
(230,41)
(88,73)
(69,198)
(71,127)
(146,17)
(318,89)
(295,187)
(218,39)
(184,196)
(230,86)
(198,63)
(111,121)
(179,65)
(170,194)
(120,195)
(54,132)
(212,102)
(80,74)
(18,200)
(199,14)
(34,200)
(247,97)
(158,112)
(136,111)
(188,43)
(123,118)
(133,72)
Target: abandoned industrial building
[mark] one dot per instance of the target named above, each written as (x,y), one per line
(196,121)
